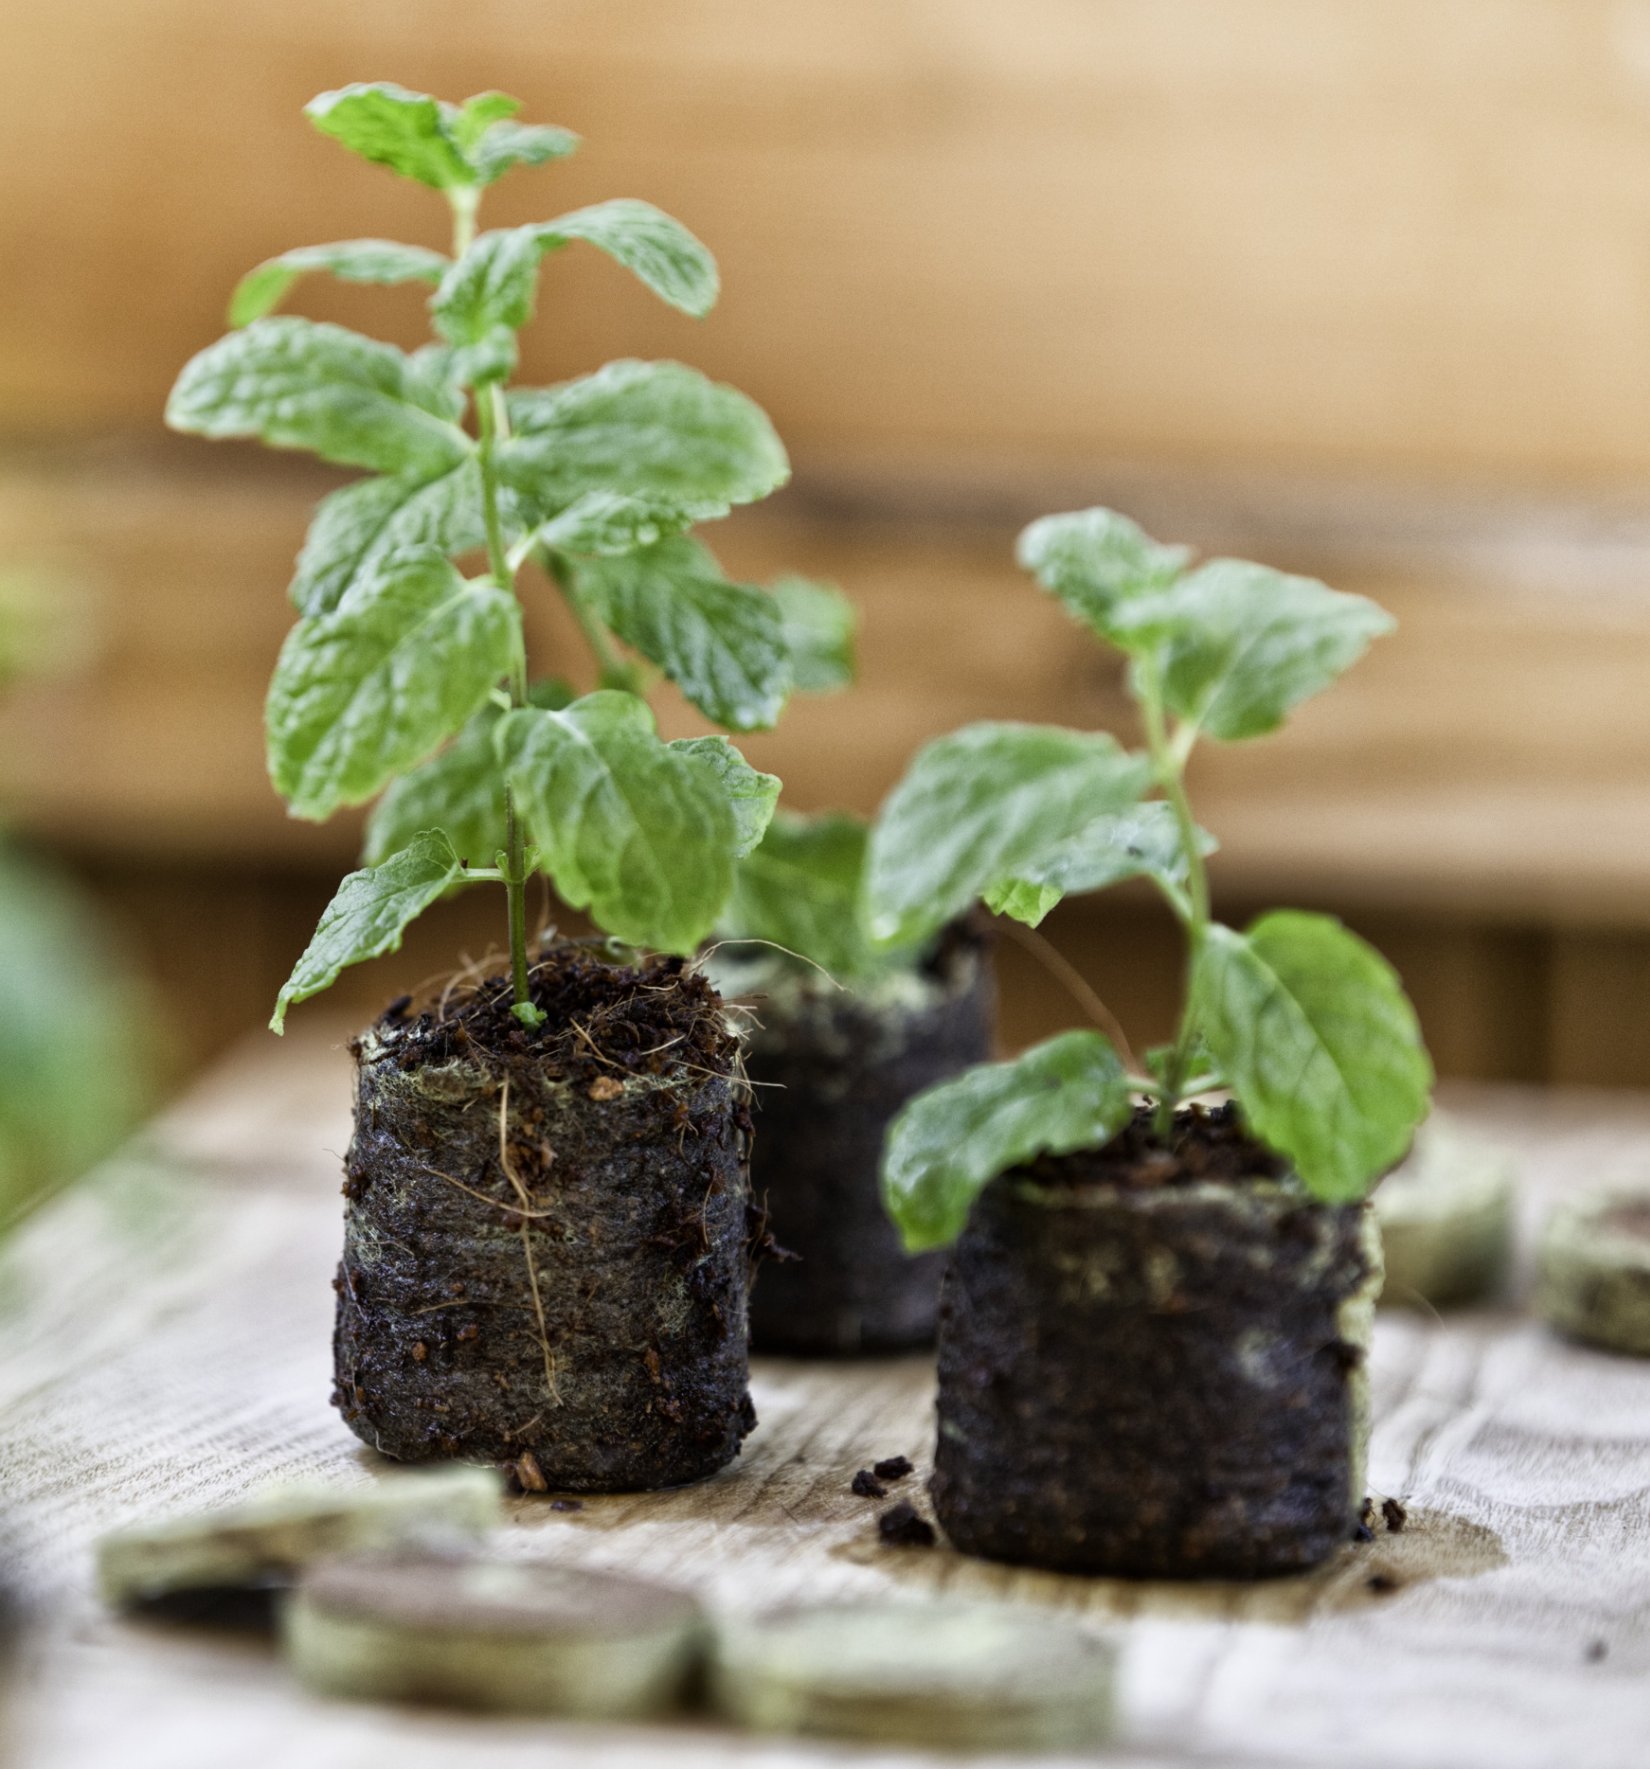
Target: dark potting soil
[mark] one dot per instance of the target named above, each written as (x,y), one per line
(546,1233)
(1208,1143)
(829,1071)
(1141,1378)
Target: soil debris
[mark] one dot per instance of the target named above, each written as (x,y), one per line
(1382,1583)
(1597,1651)
(865,1485)
(1363,1533)
(1207,1143)
(902,1527)
(524,1474)
(567,1504)
(892,1468)
(1394,1514)
(604,1087)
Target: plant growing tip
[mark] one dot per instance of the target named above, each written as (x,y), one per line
(1304,1023)
(406,681)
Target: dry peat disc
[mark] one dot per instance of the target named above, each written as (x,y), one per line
(1446,1218)
(273,1535)
(479,1630)
(1595,1268)
(963,1676)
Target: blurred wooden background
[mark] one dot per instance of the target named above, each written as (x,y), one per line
(1360,291)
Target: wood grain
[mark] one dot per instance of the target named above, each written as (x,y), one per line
(166,1330)
(1394,236)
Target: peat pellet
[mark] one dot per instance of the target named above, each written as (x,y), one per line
(1446,1219)
(1595,1268)
(271,1536)
(962,1676)
(482,1631)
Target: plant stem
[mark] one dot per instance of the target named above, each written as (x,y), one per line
(1169,756)
(492,422)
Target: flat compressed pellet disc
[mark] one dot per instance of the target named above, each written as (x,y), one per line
(270,1537)
(478,1630)
(1595,1268)
(963,1676)
(1446,1219)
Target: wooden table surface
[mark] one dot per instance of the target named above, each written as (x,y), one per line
(166,1346)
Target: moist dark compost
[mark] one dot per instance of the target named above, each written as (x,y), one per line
(545,1240)
(830,1069)
(1152,1362)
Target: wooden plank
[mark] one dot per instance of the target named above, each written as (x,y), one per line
(1295,234)
(1493,756)
(1391,236)
(167,1333)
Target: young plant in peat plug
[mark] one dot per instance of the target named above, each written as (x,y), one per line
(844,1033)
(546,1228)
(1154,1326)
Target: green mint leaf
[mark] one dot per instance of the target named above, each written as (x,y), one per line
(373,687)
(1021,900)
(1241,645)
(751,794)
(801,889)
(637,832)
(409,132)
(459,791)
(979,807)
(358,528)
(820,625)
(298,384)
(604,523)
(369,914)
(495,283)
(264,288)
(1311,1029)
(721,643)
(952,1141)
(468,122)
(658,432)
(71,1056)
(520,144)
(1141,842)
(492,357)
(1099,564)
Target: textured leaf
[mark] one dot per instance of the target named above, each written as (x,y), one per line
(979,807)
(299,384)
(407,131)
(1141,842)
(1312,1031)
(263,288)
(368,690)
(636,831)
(820,624)
(1100,564)
(1242,644)
(496,281)
(751,795)
(603,523)
(655,431)
(460,791)
(468,122)
(369,914)
(520,144)
(721,643)
(952,1141)
(801,889)
(357,529)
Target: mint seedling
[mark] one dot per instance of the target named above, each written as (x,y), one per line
(407,678)
(1303,1022)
